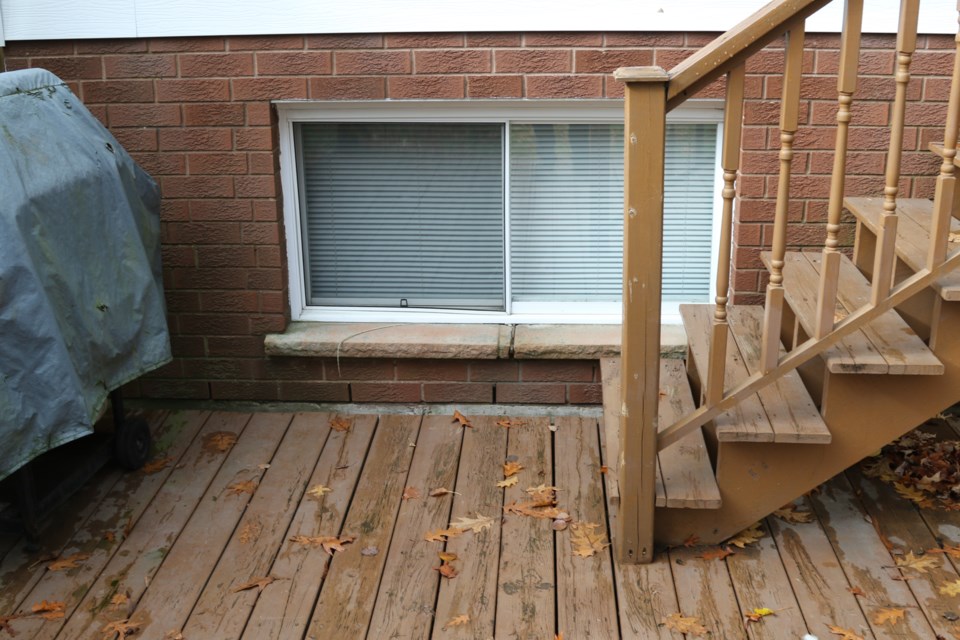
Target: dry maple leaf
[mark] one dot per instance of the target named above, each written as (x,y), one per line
(541,490)
(109,536)
(716,554)
(953,552)
(749,535)
(442,491)
(476,525)
(156,465)
(238,488)
(755,615)
(49,610)
(219,441)
(340,424)
(511,424)
(789,513)
(604,469)
(462,419)
(508,482)
(318,491)
(845,634)
(329,543)
(122,628)
(442,535)
(118,600)
(951,588)
(917,563)
(913,494)
(692,540)
(446,556)
(684,624)
(457,621)
(70,562)
(511,468)
(586,542)
(255,583)
(857,591)
(249,532)
(410,493)
(447,570)
(888,615)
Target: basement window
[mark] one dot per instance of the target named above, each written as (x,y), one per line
(483,211)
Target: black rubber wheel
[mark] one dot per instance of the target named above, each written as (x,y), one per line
(131,444)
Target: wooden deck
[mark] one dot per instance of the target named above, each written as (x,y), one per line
(171,550)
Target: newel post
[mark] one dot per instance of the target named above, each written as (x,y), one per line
(644,138)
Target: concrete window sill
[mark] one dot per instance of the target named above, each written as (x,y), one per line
(459,341)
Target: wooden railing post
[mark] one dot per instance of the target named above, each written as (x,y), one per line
(644,140)
(730,162)
(789,117)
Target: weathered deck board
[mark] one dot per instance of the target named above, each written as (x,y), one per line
(704,590)
(284,610)
(474,591)
(408,588)
(347,598)
(525,599)
(585,594)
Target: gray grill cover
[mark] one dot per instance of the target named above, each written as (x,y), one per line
(81,298)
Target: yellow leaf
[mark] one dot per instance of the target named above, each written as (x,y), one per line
(845,634)
(340,424)
(446,556)
(509,482)
(888,615)
(756,615)
(951,588)
(748,536)
(457,621)
(585,540)
(318,491)
(476,525)
(511,469)
(684,624)
(789,513)
(920,564)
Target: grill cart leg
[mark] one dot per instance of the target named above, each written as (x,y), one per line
(131,440)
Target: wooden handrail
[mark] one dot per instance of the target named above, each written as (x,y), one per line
(736,45)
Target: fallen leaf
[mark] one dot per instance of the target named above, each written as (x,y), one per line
(511,424)
(913,494)
(888,615)
(684,624)
(446,556)
(789,513)
(462,419)
(219,441)
(511,469)
(953,552)
(49,610)
(953,237)
(857,591)
(442,535)
(369,551)
(447,570)
(410,493)
(552,427)
(70,562)
(457,621)
(756,615)
(318,491)
(476,525)
(156,465)
(749,535)
(586,542)
(845,634)
(340,424)
(508,482)
(109,536)
(541,490)
(122,628)
(917,563)
(330,544)
(442,491)
(604,468)
(716,554)
(951,588)
(692,540)
(173,634)
(249,532)
(255,583)
(118,600)
(238,488)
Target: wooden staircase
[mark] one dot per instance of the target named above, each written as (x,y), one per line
(845,355)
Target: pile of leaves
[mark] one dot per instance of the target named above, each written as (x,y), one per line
(921,468)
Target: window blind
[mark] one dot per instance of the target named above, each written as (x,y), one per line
(403,214)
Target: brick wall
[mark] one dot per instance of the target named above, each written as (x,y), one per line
(196,114)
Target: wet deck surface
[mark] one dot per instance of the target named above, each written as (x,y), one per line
(240,498)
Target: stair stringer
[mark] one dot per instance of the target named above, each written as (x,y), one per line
(863,413)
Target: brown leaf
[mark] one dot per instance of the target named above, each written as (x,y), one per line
(789,513)
(118,600)
(410,493)
(49,610)
(857,591)
(219,441)
(684,624)
(156,465)
(173,634)
(511,468)
(716,554)
(446,556)
(255,583)
(238,488)
(318,491)
(749,535)
(330,544)
(845,634)
(508,482)
(913,494)
(122,628)
(442,535)
(604,469)
(917,563)
(585,540)
(462,419)
(442,491)
(476,525)
(340,424)
(109,536)
(511,424)
(447,570)
(249,532)
(692,540)
(953,552)
(888,615)
(457,621)
(70,562)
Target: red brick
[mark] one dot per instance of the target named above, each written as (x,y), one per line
(256,186)
(314,391)
(560,39)
(557,370)
(494,370)
(195,139)
(117,91)
(932,63)
(746,280)
(162,164)
(452,370)
(16,64)
(423,40)
(294,63)
(209,278)
(98,47)
(494,86)
(564,87)
(870,63)
(612,88)
(266,210)
(532,61)
(234,346)
(669,58)
(940,41)
(218,324)
(202,233)
(179,45)
(694,39)
(260,232)
(867,162)
(273,302)
(363,63)
(221,368)
(862,114)
(36,48)
(259,114)
(385,391)
(629,39)
(263,163)
(258,43)
(358,369)
(216,65)
(268,323)
(345,41)
(193,90)
(220,210)
(609,60)
(754,138)
(72,68)
(452,61)
(748,234)
(271,279)
(925,113)
(372,88)
(182,301)
(225,256)
(425,87)
(244,390)
(771,61)
(937,89)
(144,115)
(254,139)
(187,346)
(136,139)
(269,88)
(174,389)
(140,66)
(217,163)
(174,210)
(493,40)
(230,301)
(530,393)
(457,392)
(585,393)
(269,257)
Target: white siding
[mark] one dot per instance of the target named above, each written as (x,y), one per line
(57,19)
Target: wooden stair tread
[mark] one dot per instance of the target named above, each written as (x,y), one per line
(913,235)
(782,411)
(887,345)
(685,477)
(937,148)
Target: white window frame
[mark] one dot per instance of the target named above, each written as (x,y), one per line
(291,112)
